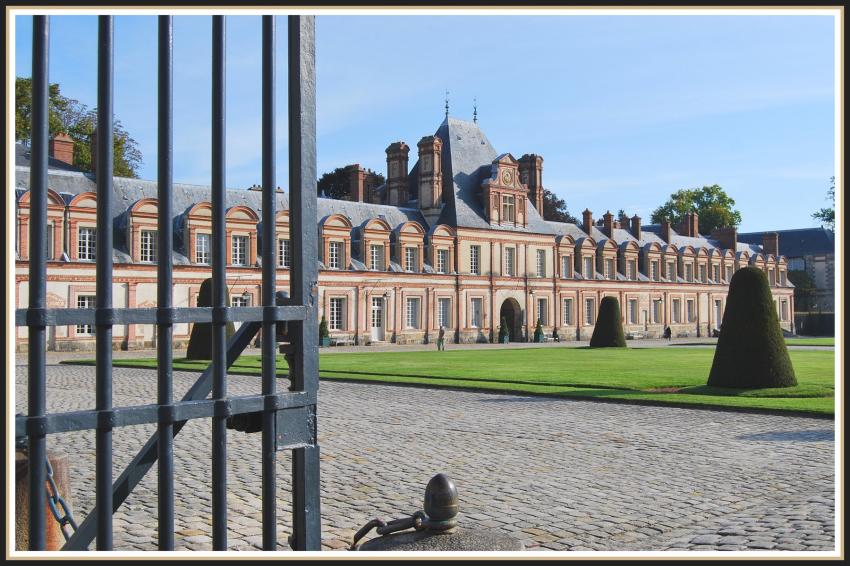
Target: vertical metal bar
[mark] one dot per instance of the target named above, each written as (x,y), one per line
(219,281)
(103,329)
(302,182)
(165,495)
(36,395)
(268,237)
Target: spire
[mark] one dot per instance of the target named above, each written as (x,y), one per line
(447,104)
(474,111)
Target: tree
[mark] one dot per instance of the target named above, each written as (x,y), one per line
(827,215)
(751,351)
(712,204)
(804,289)
(555,209)
(69,116)
(336,184)
(608,331)
(200,341)
(538,331)
(503,330)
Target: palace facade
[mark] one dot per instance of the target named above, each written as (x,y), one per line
(457,240)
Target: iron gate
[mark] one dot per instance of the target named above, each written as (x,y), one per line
(289,417)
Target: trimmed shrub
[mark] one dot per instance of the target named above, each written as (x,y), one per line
(538,332)
(751,350)
(323,328)
(608,331)
(503,330)
(200,341)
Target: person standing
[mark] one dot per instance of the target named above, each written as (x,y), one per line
(441,339)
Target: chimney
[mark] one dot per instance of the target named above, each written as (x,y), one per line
(770,243)
(636,226)
(727,237)
(608,224)
(430,177)
(665,230)
(397,161)
(694,227)
(531,175)
(587,221)
(61,148)
(690,225)
(357,182)
(623,221)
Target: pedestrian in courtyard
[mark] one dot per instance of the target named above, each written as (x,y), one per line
(668,333)
(441,339)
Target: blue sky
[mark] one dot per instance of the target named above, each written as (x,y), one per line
(624,109)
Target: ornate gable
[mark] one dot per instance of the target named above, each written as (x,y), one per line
(503,195)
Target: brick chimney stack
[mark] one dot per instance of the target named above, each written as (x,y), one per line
(608,224)
(397,161)
(531,175)
(587,221)
(666,233)
(727,237)
(770,243)
(690,225)
(61,147)
(357,182)
(636,226)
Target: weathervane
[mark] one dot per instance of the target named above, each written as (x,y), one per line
(474,111)
(447,104)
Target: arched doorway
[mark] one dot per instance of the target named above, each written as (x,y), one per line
(511,312)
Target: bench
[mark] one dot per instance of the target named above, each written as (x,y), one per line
(635,335)
(342,342)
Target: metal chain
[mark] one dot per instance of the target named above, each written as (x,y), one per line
(415,521)
(53,497)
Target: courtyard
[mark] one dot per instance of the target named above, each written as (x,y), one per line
(557,474)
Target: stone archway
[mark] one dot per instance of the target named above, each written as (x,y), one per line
(512,313)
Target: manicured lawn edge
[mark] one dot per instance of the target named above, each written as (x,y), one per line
(508,388)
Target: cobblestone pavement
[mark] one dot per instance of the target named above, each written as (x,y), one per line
(557,474)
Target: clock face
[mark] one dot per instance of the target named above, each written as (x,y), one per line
(507,177)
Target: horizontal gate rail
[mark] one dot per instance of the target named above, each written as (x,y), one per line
(116,316)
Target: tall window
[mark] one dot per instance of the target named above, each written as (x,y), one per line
(589,311)
(476,308)
(632,269)
(656,311)
(676,310)
(541,263)
(202,248)
(508,208)
(542,312)
(782,277)
(442,261)
(783,310)
(239,250)
(444,312)
(410,259)
(566,266)
(689,272)
(653,271)
(691,312)
(671,270)
(87,244)
(633,311)
(609,269)
(702,274)
(376,257)
(48,241)
(588,267)
(510,261)
(568,311)
(284,253)
(85,302)
(148,246)
(334,255)
(475,260)
(337,313)
(715,275)
(413,304)
(771,276)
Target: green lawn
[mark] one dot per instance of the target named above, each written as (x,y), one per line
(665,375)
(830,341)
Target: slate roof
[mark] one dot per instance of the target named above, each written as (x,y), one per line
(22,158)
(798,242)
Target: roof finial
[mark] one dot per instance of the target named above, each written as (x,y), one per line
(447,104)
(474,111)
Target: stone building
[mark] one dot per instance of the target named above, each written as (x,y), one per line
(457,240)
(806,249)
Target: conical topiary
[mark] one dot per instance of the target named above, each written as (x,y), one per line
(608,331)
(503,330)
(751,350)
(200,341)
(538,332)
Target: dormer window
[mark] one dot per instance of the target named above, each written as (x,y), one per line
(147,251)
(410,259)
(87,244)
(566,266)
(508,208)
(588,267)
(376,257)
(202,249)
(239,250)
(334,255)
(284,254)
(541,263)
(442,261)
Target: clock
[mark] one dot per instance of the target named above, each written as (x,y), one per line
(507,177)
